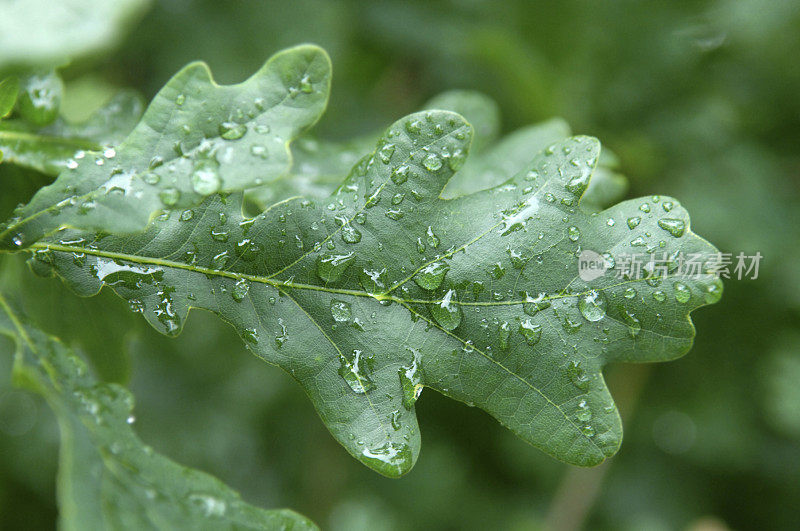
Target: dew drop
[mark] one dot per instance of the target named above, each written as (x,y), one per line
(573,233)
(355,370)
(169,196)
(331,267)
(447,312)
(676,227)
(232,130)
(592,306)
(431,276)
(411,380)
(432,162)
(340,311)
(531,332)
(682,292)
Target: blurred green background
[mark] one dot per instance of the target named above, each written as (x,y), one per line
(699,99)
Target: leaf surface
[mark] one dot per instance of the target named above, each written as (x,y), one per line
(195,139)
(52,149)
(386,288)
(108,478)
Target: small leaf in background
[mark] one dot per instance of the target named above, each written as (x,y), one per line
(9,89)
(51,149)
(108,478)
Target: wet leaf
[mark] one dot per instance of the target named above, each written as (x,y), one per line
(195,139)
(334,298)
(109,479)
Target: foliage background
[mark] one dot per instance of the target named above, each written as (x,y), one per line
(699,99)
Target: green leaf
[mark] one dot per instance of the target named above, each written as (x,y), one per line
(386,288)
(50,149)
(320,166)
(39,32)
(504,158)
(108,478)
(480,111)
(100,328)
(607,186)
(9,89)
(196,138)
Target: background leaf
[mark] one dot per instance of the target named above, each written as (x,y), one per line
(52,149)
(108,477)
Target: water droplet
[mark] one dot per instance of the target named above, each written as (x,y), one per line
(432,162)
(282,336)
(503,333)
(413,127)
(634,326)
(592,306)
(577,375)
(573,233)
(250,335)
(350,234)
(169,196)
(400,175)
(180,100)
(240,290)
(577,185)
(659,295)
(629,293)
(531,332)
(205,180)
(331,267)
(259,151)
(411,380)
(534,305)
(373,281)
(220,235)
(675,227)
(498,271)
(210,505)
(447,312)
(355,370)
(633,222)
(340,311)
(682,292)
(432,239)
(385,153)
(394,214)
(456,160)
(432,275)
(391,458)
(713,292)
(232,130)
(584,413)
(305,85)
